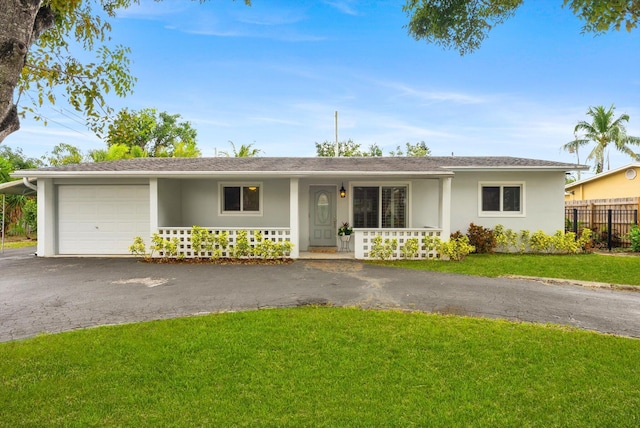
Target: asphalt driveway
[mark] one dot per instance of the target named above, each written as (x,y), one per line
(57,294)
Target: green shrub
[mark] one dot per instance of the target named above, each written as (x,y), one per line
(410,248)
(287,247)
(171,247)
(586,240)
(456,248)
(138,247)
(222,240)
(242,247)
(157,244)
(481,238)
(431,243)
(525,237)
(540,242)
(205,240)
(634,237)
(199,239)
(168,247)
(565,243)
(265,248)
(30,215)
(560,242)
(506,239)
(382,250)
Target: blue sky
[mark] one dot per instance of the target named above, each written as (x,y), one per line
(273,75)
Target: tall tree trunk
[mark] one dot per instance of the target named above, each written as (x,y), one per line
(21,23)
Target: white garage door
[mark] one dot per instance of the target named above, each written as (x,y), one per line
(101,219)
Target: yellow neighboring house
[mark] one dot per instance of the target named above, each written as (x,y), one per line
(618,187)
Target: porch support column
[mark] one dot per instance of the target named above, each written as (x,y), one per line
(47,236)
(445,207)
(153,207)
(294,217)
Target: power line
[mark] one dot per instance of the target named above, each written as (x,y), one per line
(62,112)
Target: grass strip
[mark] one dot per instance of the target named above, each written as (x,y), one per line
(585,267)
(321,367)
(19,244)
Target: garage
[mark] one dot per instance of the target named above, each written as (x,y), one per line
(101,219)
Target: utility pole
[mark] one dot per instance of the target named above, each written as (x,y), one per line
(336,152)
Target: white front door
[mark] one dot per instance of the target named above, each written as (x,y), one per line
(322,212)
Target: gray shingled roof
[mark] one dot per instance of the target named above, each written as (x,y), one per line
(433,164)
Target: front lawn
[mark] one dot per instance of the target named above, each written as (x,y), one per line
(612,269)
(321,367)
(19,242)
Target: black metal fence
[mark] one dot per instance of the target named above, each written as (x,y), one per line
(610,226)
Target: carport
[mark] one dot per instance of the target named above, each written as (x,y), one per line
(22,187)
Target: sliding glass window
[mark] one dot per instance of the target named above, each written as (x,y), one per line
(380,206)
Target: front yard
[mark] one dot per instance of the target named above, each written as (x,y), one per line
(321,366)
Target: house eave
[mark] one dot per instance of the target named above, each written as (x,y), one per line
(515,168)
(232,174)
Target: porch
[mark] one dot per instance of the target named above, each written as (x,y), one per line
(306,212)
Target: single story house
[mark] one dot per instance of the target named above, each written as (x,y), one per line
(98,208)
(618,187)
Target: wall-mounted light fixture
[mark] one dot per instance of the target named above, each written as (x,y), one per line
(343,193)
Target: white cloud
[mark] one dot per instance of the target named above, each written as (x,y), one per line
(256,16)
(274,120)
(153,10)
(343,6)
(430,96)
(226,20)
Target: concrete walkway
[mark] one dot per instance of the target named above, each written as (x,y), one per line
(58,294)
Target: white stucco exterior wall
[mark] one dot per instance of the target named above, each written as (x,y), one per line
(169,212)
(46,218)
(543,201)
(424,203)
(199,200)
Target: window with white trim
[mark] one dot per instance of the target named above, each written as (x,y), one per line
(380,206)
(240,198)
(503,199)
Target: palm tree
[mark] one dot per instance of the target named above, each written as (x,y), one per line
(573,148)
(603,130)
(245,151)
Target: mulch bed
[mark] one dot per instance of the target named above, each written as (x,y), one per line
(220,261)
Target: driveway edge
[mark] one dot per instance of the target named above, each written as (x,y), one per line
(575,282)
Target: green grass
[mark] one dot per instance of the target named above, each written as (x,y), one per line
(585,267)
(19,244)
(321,367)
